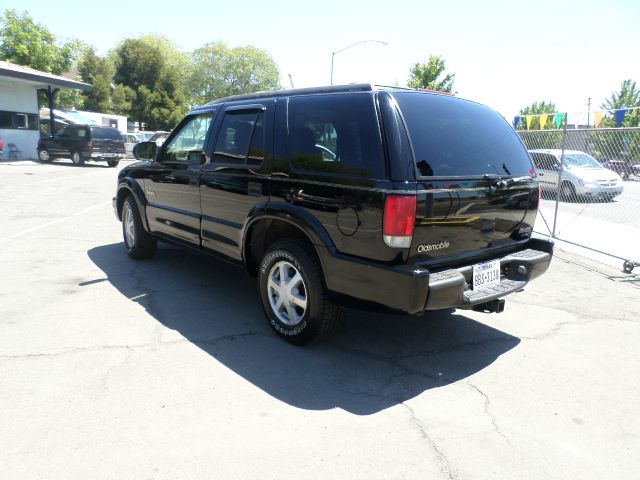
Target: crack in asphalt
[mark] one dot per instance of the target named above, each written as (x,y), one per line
(107,374)
(141,346)
(445,465)
(494,421)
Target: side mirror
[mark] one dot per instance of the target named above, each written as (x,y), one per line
(145,150)
(195,157)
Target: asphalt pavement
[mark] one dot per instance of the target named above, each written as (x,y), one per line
(167,369)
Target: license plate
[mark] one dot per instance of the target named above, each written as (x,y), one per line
(485,274)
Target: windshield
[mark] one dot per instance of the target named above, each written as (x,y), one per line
(581,160)
(458,138)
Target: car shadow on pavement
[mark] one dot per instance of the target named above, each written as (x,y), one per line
(377,361)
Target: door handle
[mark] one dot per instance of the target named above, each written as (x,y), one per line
(254,189)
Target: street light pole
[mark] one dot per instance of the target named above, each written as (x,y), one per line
(333,54)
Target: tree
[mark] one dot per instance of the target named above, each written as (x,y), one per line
(218,71)
(537,109)
(97,72)
(429,75)
(627,97)
(26,43)
(145,66)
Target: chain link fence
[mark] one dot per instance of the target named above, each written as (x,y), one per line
(590,182)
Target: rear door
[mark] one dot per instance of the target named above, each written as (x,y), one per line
(476,186)
(235,181)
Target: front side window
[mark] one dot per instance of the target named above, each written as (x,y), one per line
(189,139)
(241,138)
(335,134)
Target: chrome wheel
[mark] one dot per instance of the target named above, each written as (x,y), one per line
(287,293)
(75,158)
(43,155)
(129,226)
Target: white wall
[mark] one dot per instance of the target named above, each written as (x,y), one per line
(19,97)
(103,119)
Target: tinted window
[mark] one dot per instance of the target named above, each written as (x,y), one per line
(545,161)
(6,120)
(190,138)
(454,137)
(17,120)
(106,134)
(335,134)
(241,138)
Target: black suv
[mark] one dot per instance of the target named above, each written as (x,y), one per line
(340,195)
(82,143)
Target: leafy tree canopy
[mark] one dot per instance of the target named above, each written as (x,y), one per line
(24,42)
(149,67)
(537,108)
(627,97)
(219,71)
(431,75)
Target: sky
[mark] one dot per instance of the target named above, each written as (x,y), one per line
(505,54)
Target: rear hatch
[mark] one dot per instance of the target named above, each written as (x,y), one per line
(477,191)
(107,140)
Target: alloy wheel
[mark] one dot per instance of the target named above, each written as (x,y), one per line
(287,293)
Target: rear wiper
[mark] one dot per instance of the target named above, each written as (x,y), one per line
(499,183)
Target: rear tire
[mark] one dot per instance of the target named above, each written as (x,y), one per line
(294,296)
(77,159)
(137,242)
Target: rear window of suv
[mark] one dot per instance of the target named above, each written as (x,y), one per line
(457,138)
(106,134)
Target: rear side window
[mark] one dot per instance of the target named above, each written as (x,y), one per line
(335,134)
(544,161)
(453,137)
(241,138)
(106,134)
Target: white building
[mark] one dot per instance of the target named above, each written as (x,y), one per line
(19,119)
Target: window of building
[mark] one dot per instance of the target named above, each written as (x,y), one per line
(18,120)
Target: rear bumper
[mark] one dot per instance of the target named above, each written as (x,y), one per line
(414,289)
(103,156)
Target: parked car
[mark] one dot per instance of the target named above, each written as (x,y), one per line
(145,135)
(624,168)
(82,143)
(159,137)
(582,175)
(130,140)
(406,200)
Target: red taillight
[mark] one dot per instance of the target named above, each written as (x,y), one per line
(90,145)
(398,220)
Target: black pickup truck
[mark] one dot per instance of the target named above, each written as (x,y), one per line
(408,200)
(83,143)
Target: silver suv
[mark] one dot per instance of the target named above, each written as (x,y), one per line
(582,175)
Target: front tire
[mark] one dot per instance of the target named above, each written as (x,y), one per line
(294,296)
(77,159)
(113,163)
(568,192)
(137,242)
(43,155)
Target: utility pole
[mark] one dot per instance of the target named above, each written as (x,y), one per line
(588,110)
